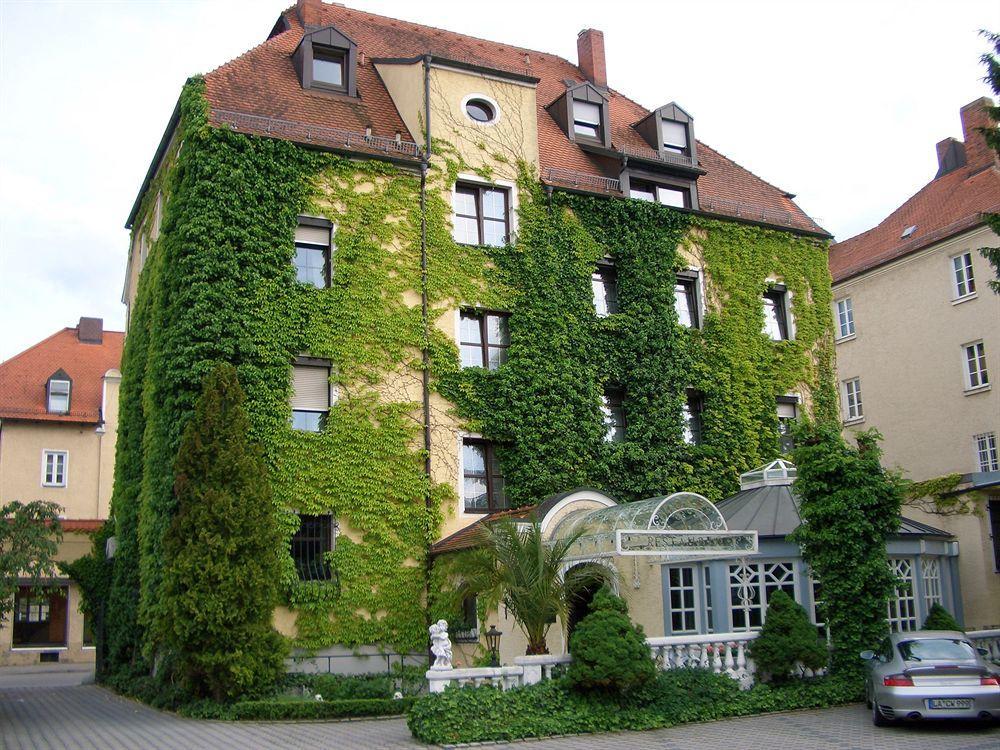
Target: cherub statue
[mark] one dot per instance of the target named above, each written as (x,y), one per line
(440,645)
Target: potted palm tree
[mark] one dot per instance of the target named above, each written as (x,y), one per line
(514,566)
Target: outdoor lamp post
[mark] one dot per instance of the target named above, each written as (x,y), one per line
(493,644)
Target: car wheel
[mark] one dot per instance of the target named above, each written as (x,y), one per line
(877,718)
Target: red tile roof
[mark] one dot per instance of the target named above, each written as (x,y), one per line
(24,376)
(944,207)
(81,525)
(468,537)
(263,82)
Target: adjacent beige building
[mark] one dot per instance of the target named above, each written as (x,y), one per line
(58,426)
(918,347)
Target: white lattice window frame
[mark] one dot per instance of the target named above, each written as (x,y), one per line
(749,592)
(902,605)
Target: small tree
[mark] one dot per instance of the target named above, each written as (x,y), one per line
(787,641)
(29,540)
(938,618)
(850,507)
(523,571)
(609,650)
(222,553)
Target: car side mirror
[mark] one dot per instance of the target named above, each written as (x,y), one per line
(867,655)
(983,652)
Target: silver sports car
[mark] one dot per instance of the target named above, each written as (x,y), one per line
(930,674)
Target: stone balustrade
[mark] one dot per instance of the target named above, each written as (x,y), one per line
(723,653)
(989,640)
(526,670)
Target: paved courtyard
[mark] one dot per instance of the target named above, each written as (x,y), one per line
(92,718)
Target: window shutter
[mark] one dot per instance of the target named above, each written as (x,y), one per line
(312,235)
(311,388)
(786,410)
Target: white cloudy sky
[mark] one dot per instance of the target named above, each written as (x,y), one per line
(839,102)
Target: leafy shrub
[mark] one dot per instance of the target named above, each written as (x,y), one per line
(277,709)
(940,619)
(486,714)
(408,680)
(787,640)
(609,651)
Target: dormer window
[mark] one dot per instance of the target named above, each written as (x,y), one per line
(58,392)
(670,130)
(326,60)
(583,114)
(587,120)
(668,195)
(328,66)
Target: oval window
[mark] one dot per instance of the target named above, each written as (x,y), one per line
(480,110)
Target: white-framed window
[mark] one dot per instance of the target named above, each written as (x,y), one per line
(312,394)
(55,468)
(845,318)
(750,587)
(965,281)
(58,395)
(787,408)
(974,357)
(902,605)
(930,571)
(682,590)
(986,451)
(587,119)
(853,408)
(313,259)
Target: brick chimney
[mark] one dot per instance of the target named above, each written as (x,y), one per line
(978,155)
(90,331)
(951,156)
(590,53)
(310,12)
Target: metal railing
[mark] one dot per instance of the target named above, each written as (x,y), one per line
(661,156)
(570,178)
(742,210)
(319,134)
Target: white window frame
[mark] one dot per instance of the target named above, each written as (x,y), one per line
(497,112)
(69,396)
(962,276)
(987,457)
(930,571)
(760,585)
(697,590)
(848,332)
(332,397)
(856,413)
(981,374)
(901,609)
(65,467)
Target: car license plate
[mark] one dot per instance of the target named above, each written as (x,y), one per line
(949,703)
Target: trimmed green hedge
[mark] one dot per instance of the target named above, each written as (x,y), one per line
(679,696)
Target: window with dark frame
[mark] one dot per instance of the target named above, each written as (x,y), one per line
(310,545)
(686,299)
(994,509)
(667,195)
(312,261)
(467,631)
(40,620)
(788,412)
(675,137)
(604,282)
(328,67)
(481,215)
(613,411)
(587,120)
(482,475)
(484,338)
(776,313)
(694,405)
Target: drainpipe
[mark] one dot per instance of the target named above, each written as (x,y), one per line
(425,319)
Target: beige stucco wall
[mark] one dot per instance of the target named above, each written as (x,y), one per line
(907,352)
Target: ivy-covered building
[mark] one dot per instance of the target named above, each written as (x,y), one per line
(455,277)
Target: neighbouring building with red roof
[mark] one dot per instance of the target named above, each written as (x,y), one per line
(456,277)
(58,427)
(918,347)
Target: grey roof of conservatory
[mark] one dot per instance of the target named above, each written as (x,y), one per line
(773,511)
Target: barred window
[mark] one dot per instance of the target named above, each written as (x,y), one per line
(310,546)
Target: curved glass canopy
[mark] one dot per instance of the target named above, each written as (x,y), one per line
(682,524)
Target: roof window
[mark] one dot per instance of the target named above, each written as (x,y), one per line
(326,60)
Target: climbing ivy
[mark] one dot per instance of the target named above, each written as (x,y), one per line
(219,285)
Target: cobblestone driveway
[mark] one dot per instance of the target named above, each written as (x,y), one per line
(93,718)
